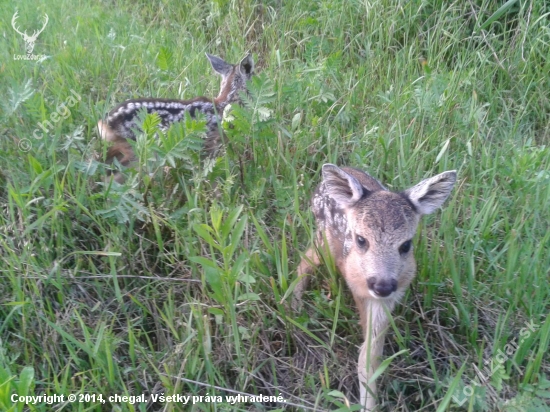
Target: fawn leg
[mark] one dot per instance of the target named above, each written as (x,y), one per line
(305,268)
(374,322)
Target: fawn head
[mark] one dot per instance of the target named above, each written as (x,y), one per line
(370,229)
(234,78)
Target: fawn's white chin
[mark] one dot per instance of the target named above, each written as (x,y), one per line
(376,296)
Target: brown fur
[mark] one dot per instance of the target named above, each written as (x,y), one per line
(368,231)
(123,119)
(123,152)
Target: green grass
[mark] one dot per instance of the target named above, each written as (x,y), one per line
(179,281)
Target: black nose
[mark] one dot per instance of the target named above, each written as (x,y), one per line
(382,288)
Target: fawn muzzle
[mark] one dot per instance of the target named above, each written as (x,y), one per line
(382,288)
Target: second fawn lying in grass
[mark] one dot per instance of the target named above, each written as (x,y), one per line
(121,122)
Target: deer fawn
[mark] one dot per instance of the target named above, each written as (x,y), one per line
(369,232)
(121,122)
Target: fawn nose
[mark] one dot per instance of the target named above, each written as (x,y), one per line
(382,288)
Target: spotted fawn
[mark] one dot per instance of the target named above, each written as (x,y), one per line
(369,232)
(121,122)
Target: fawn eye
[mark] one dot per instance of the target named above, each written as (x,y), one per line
(405,247)
(361,242)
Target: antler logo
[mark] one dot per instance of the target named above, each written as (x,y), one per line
(29,40)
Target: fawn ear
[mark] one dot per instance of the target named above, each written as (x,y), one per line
(341,186)
(219,65)
(246,66)
(430,194)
